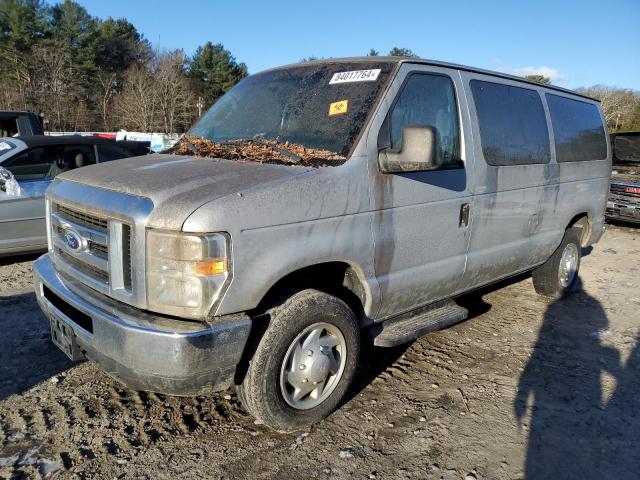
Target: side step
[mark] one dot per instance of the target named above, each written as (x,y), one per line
(407,327)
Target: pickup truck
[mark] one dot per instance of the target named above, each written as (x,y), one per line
(14,123)
(624,195)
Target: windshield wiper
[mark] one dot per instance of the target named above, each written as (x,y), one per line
(259,138)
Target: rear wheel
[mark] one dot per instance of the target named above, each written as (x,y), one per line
(304,362)
(558,275)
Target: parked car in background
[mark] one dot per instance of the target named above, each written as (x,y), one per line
(29,164)
(624,194)
(311,205)
(17,124)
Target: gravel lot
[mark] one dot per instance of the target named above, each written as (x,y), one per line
(525,388)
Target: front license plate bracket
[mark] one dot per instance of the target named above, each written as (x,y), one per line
(64,338)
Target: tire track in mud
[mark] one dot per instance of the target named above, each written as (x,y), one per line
(63,423)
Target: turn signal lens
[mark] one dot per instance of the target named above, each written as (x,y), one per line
(211,267)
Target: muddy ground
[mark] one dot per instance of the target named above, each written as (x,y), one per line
(525,388)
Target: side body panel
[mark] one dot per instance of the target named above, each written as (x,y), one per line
(506,216)
(22,219)
(520,212)
(420,246)
(317,217)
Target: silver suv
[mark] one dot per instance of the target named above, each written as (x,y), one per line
(311,207)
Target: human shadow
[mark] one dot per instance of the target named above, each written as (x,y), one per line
(27,355)
(574,433)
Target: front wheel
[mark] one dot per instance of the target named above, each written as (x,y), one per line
(303,363)
(558,275)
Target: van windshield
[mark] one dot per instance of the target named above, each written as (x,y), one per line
(291,115)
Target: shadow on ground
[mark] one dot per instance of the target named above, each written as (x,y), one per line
(28,257)
(578,428)
(27,356)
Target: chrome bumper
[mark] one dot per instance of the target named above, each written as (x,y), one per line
(144,351)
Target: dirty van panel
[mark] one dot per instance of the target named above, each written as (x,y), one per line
(513,179)
(317,106)
(584,163)
(420,241)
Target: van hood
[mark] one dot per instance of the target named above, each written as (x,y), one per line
(178,185)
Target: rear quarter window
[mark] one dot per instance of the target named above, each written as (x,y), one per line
(513,126)
(577,128)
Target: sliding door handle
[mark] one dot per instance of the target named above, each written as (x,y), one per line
(464,215)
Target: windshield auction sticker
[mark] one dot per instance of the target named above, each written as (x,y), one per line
(355,76)
(339,108)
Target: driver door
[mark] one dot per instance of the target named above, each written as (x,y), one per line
(421,222)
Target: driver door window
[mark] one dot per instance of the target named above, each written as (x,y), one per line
(427,100)
(36,164)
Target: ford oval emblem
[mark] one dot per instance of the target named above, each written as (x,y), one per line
(73,240)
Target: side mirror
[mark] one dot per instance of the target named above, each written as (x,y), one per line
(419,151)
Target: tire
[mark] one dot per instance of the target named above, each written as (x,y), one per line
(548,279)
(279,358)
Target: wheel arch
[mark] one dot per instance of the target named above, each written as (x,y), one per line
(583,221)
(340,278)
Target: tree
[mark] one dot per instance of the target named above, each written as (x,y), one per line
(214,70)
(310,58)
(373,53)
(22,24)
(137,104)
(618,104)
(174,95)
(72,26)
(118,46)
(538,79)
(402,52)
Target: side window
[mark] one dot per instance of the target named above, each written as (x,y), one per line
(107,152)
(513,126)
(8,127)
(578,130)
(36,164)
(427,100)
(77,156)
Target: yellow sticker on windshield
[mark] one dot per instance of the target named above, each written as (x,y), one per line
(339,108)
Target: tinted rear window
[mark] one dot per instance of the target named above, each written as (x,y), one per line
(513,126)
(578,130)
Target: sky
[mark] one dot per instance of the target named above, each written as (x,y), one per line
(575,43)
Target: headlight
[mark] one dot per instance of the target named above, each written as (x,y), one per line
(186,273)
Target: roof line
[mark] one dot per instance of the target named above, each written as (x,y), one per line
(436,63)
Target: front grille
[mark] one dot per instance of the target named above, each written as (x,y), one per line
(89,254)
(83,219)
(126,256)
(618,190)
(99,250)
(83,267)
